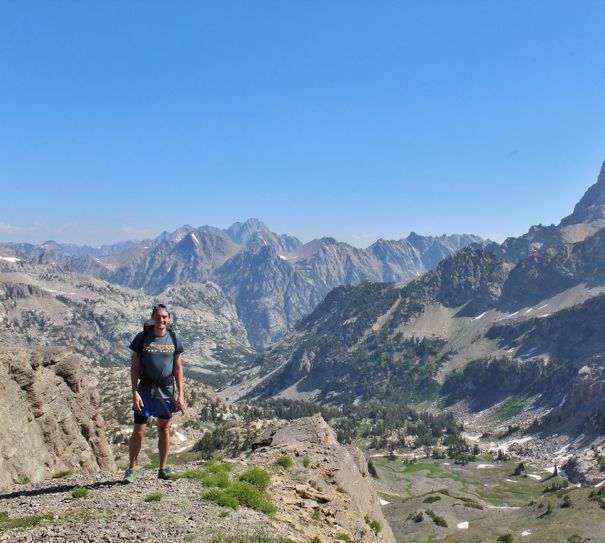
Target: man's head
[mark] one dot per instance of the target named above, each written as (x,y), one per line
(161,318)
(160,307)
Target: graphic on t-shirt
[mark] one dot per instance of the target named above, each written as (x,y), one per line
(154,348)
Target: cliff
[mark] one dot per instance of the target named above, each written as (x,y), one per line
(50,419)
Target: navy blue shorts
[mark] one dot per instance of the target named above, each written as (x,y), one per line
(153,407)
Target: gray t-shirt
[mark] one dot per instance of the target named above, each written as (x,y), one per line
(157,358)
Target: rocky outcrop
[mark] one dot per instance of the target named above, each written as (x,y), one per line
(50,416)
(336,480)
(325,496)
(587,218)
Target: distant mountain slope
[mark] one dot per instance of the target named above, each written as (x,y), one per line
(475,329)
(273,280)
(47,305)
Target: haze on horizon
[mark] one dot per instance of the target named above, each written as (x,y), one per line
(352,119)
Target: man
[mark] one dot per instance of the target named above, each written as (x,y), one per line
(156,363)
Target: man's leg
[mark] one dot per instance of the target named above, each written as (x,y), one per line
(136,440)
(163,440)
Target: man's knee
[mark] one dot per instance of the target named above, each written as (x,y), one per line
(163,427)
(138,431)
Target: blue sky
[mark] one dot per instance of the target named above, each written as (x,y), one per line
(351,119)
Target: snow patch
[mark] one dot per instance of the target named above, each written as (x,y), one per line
(485,466)
(10,259)
(383,502)
(463,525)
(534,476)
(545,305)
(197,241)
(526,532)
(477,318)
(530,310)
(282,257)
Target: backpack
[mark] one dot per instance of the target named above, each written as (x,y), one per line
(146,380)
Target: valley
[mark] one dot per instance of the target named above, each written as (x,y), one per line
(466,357)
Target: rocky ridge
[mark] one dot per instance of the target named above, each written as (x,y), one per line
(588,217)
(325,496)
(288,278)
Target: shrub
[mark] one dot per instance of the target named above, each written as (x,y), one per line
(306,462)
(154,497)
(431,499)
(341,490)
(220,480)
(213,467)
(506,538)
(260,536)
(344,537)
(375,525)
(221,498)
(61,474)
(418,517)
(79,492)
(258,477)
(439,521)
(250,495)
(284,462)
(243,493)
(23,522)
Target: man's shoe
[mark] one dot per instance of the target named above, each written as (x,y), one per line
(130,476)
(164,473)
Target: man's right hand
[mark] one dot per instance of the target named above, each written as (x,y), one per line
(137,402)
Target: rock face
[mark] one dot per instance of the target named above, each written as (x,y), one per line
(50,418)
(341,485)
(587,218)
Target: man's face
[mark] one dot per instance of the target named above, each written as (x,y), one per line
(161,319)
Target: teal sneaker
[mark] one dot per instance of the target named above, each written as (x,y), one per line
(130,476)
(164,473)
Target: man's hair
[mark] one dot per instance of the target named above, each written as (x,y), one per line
(160,307)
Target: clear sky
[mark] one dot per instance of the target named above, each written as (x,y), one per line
(351,119)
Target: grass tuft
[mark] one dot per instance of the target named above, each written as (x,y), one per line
(284,462)
(79,492)
(257,477)
(61,474)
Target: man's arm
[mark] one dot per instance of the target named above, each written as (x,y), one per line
(137,403)
(177,371)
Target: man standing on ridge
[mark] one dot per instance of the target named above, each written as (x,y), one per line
(156,364)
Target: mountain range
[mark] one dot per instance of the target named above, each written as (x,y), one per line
(273,280)
(494,332)
(516,339)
